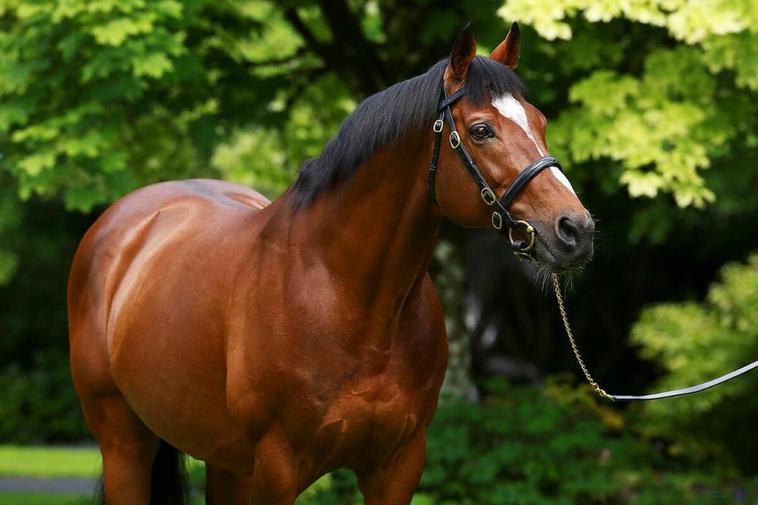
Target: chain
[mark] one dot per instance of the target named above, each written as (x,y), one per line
(600,391)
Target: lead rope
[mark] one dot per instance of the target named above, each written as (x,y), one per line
(558,296)
(655,396)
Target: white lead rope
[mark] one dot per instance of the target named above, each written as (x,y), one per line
(655,396)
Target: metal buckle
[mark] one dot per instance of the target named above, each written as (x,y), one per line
(488,196)
(529,229)
(497,220)
(455,139)
(438,126)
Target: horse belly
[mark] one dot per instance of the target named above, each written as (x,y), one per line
(174,379)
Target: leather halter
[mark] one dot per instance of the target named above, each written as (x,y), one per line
(502,220)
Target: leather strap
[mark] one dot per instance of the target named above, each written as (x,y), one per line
(526,175)
(438,126)
(447,101)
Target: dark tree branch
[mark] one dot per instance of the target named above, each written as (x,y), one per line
(321,49)
(352,43)
(311,76)
(290,13)
(349,53)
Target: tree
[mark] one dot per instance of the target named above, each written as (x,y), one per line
(695,342)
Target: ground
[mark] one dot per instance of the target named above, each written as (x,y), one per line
(57,475)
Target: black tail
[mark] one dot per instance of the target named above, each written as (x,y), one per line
(170,485)
(169,482)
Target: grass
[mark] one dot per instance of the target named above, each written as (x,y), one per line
(52,462)
(77,462)
(18,461)
(42,499)
(58,499)
(60,462)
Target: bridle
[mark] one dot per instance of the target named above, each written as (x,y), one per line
(502,220)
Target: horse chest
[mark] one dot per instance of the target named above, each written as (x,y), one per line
(344,395)
(368,421)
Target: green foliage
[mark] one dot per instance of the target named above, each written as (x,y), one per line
(110,53)
(666,125)
(314,116)
(695,342)
(39,403)
(527,446)
(100,97)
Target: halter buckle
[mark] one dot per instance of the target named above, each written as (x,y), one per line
(438,126)
(518,245)
(455,139)
(497,221)
(488,196)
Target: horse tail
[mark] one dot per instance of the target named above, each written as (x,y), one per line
(169,481)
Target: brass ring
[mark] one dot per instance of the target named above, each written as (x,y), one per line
(497,220)
(454,136)
(529,229)
(488,196)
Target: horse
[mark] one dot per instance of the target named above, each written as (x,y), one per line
(279,341)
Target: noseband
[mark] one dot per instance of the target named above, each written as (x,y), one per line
(501,218)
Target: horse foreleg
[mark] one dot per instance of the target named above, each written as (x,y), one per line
(394,483)
(223,487)
(276,480)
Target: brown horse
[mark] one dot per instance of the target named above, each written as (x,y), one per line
(279,341)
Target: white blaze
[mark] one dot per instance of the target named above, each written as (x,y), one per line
(562,178)
(510,108)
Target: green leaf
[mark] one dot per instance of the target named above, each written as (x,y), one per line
(151,65)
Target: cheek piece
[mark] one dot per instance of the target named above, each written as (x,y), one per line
(502,220)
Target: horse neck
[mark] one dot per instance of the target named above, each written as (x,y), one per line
(375,233)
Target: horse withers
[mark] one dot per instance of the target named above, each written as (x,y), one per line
(278,341)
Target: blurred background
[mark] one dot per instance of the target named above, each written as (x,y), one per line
(652,109)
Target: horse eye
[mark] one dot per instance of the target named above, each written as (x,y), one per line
(480,131)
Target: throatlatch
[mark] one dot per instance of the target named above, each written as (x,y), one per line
(501,218)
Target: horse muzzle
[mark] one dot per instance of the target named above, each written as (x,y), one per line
(568,243)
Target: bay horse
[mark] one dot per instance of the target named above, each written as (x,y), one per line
(278,341)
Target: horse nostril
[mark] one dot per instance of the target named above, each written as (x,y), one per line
(567,230)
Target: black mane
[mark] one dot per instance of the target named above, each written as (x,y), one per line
(387,116)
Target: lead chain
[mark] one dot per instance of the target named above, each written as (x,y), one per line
(600,391)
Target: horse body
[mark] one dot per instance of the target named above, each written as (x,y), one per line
(280,341)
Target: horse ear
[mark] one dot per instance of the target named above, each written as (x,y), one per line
(508,50)
(464,50)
